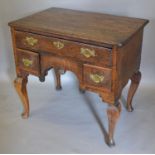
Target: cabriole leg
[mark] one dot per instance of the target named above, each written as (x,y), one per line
(113,113)
(20,85)
(135,80)
(58,79)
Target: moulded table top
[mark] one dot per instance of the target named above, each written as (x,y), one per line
(89,27)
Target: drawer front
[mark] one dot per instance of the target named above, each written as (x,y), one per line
(28,61)
(80,51)
(98,77)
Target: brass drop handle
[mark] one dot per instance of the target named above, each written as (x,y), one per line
(27,62)
(87,52)
(31,41)
(59,45)
(97,78)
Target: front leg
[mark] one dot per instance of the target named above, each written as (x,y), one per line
(113,113)
(135,80)
(20,85)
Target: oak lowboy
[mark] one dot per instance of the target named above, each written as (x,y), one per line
(103,51)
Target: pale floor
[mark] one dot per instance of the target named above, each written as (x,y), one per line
(69,122)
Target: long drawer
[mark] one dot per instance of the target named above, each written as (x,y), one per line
(81,52)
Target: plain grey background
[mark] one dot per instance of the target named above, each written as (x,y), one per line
(68,122)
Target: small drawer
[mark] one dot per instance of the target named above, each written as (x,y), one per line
(79,51)
(28,61)
(98,77)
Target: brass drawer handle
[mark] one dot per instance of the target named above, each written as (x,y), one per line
(31,41)
(59,45)
(97,78)
(27,62)
(87,52)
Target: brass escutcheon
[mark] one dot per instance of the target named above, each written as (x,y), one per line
(59,45)
(97,78)
(31,41)
(27,62)
(87,52)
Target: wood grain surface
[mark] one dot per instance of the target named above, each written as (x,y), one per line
(90,27)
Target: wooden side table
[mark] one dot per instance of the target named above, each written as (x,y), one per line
(103,51)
